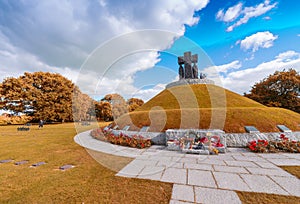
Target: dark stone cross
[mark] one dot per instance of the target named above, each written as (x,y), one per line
(190,70)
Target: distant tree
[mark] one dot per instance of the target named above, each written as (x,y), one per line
(83,105)
(134,103)
(41,94)
(281,89)
(112,106)
(103,110)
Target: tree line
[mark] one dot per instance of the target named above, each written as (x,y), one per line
(52,97)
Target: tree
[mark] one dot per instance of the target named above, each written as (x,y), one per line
(103,110)
(113,106)
(134,103)
(281,89)
(42,95)
(83,105)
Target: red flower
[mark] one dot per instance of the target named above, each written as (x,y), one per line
(252,147)
(203,139)
(218,144)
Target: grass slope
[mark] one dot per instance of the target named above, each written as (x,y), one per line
(88,182)
(192,107)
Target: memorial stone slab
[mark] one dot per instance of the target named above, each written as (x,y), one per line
(21,162)
(283,128)
(5,161)
(65,167)
(38,164)
(251,129)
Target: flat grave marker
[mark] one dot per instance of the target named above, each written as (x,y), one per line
(251,129)
(65,167)
(126,128)
(21,162)
(5,161)
(283,128)
(144,129)
(38,164)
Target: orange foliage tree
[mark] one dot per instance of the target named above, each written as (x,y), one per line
(281,89)
(42,95)
(113,106)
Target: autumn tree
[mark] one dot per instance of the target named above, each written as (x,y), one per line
(118,103)
(280,89)
(134,103)
(41,94)
(83,105)
(103,110)
(113,106)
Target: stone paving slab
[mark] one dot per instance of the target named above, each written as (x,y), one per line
(211,161)
(246,158)
(174,175)
(179,202)
(291,185)
(186,160)
(130,171)
(183,193)
(201,178)
(207,167)
(230,169)
(263,184)
(241,163)
(270,172)
(273,156)
(230,181)
(266,165)
(216,196)
(285,162)
(293,156)
(170,164)
(151,172)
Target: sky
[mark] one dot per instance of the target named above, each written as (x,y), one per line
(131,47)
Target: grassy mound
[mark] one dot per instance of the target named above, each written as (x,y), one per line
(207,106)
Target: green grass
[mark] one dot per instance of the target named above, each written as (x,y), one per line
(88,182)
(191,107)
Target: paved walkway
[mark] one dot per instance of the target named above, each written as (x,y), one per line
(206,178)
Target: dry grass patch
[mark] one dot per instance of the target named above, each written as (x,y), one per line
(295,170)
(88,182)
(263,198)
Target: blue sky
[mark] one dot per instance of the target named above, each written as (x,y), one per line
(238,42)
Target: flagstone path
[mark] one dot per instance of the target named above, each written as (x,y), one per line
(206,178)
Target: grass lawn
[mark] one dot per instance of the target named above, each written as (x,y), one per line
(88,182)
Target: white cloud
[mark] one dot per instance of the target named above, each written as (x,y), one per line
(224,68)
(58,36)
(231,14)
(258,40)
(242,16)
(267,18)
(242,80)
(298,35)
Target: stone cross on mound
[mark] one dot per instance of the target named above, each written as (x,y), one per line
(190,69)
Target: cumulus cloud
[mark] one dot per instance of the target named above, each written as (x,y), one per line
(236,64)
(242,80)
(231,14)
(258,40)
(239,15)
(58,36)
